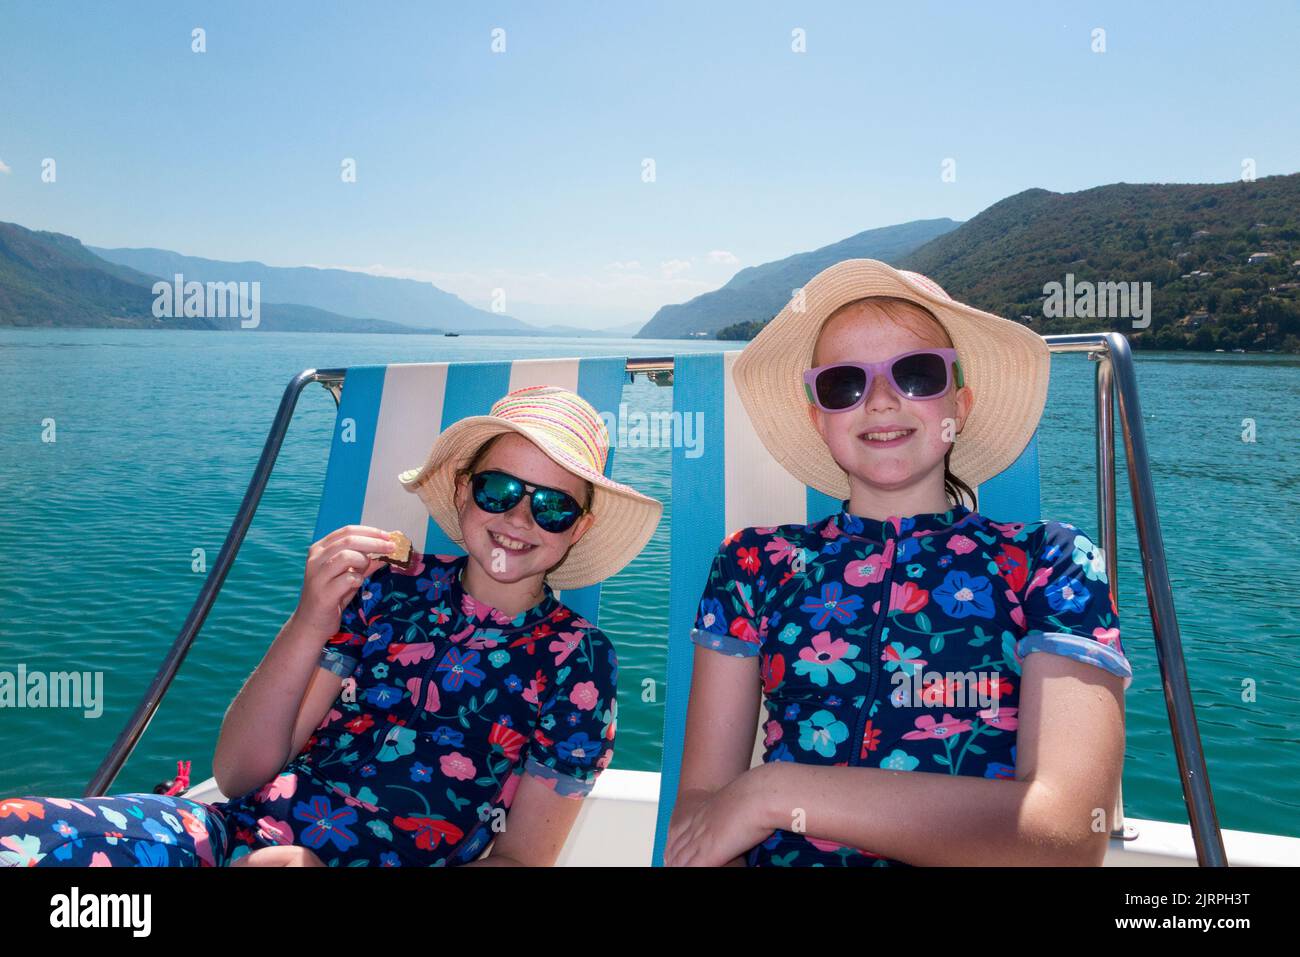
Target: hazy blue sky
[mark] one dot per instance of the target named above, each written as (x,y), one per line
(523,170)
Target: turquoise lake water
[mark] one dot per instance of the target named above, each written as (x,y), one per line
(158,434)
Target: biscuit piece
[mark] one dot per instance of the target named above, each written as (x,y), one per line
(401,555)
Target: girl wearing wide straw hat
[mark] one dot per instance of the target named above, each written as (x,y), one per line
(416,706)
(504,697)
(898,634)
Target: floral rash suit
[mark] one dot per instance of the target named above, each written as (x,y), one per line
(446,703)
(898,644)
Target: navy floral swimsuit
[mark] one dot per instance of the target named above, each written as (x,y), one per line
(446,703)
(898,644)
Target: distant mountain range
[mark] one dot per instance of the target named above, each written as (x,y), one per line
(1223,261)
(52,280)
(420,305)
(759,292)
(48,279)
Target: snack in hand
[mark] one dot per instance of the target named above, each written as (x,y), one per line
(401,554)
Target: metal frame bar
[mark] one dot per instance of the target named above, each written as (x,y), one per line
(1107,533)
(1115,376)
(130,735)
(1115,365)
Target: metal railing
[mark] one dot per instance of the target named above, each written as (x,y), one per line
(1115,378)
(1114,359)
(130,735)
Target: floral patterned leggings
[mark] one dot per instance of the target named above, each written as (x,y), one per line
(122,830)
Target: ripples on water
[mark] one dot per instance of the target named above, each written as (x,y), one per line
(158,434)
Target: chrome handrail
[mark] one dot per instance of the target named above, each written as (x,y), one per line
(1107,533)
(1115,362)
(130,735)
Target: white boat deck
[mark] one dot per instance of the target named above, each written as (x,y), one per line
(616,828)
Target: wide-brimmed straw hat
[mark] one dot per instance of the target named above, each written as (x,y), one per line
(572,434)
(1005,363)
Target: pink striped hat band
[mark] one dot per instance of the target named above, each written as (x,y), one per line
(573,427)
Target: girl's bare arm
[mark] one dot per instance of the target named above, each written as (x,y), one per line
(536,828)
(256,733)
(721,722)
(1069,756)
(288,693)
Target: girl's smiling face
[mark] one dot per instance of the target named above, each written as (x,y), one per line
(905,477)
(494,540)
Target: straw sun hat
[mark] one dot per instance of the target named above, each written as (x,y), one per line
(572,434)
(1005,364)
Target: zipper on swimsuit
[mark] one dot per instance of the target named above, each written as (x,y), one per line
(855,756)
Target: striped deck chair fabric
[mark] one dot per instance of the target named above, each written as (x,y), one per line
(734,483)
(388,417)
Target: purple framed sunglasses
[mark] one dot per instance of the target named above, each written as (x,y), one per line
(919,374)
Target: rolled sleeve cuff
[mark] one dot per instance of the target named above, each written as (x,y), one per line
(1080,649)
(725,644)
(337,663)
(565,785)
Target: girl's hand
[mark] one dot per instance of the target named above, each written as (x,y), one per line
(285,855)
(336,566)
(714,830)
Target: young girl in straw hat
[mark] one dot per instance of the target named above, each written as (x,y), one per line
(907,719)
(412,716)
